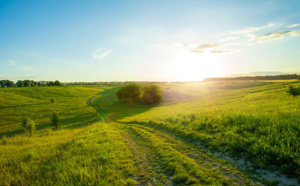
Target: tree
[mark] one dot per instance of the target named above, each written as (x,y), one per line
(19,83)
(26,83)
(6,83)
(294,91)
(28,126)
(129,93)
(55,120)
(152,94)
(57,83)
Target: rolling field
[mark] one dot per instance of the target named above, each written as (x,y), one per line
(203,133)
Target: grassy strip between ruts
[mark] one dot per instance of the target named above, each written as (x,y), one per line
(172,162)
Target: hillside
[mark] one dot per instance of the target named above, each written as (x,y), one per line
(209,133)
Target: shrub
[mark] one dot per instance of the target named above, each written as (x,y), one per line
(4,140)
(28,126)
(52,100)
(129,93)
(294,91)
(55,120)
(152,94)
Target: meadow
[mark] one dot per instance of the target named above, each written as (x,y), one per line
(203,133)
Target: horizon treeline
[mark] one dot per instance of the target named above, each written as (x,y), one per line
(269,77)
(28,83)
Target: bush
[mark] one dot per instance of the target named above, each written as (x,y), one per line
(55,120)
(52,100)
(129,93)
(152,94)
(294,91)
(28,126)
(4,140)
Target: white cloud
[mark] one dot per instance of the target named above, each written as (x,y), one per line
(273,36)
(223,51)
(293,25)
(197,51)
(254,29)
(208,46)
(295,33)
(250,35)
(27,68)
(12,62)
(101,53)
(213,48)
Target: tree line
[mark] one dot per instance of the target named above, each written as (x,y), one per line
(28,83)
(273,77)
(111,82)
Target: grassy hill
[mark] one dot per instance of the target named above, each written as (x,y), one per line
(210,133)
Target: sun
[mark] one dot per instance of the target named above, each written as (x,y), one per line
(189,66)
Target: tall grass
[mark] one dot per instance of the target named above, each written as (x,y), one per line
(96,155)
(261,122)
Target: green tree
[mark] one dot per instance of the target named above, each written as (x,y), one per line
(152,94)
(28,126)
(19,83)
(57,83)
(55,120)
(294,91)
(129,93)
(26,83)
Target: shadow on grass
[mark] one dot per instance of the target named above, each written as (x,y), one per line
(25,105)
(110,109)
(78,121)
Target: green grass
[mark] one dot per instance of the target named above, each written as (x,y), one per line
(149,144)
(35,103)
(261,122)
(96,154)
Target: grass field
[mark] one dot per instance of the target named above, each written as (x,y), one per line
(207,133)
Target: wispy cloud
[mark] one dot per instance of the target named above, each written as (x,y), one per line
(101,53)
(11,62)
(295,33)
(271,36)
(223,51)
(254,29)
(210,48)
(250,36)
(27,68)
(197,51)
(293,25)
(267,33)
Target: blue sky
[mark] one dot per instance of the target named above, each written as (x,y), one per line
(147,40)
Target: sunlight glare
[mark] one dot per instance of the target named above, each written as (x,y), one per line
(194,67)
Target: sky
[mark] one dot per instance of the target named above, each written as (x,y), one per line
(134,40)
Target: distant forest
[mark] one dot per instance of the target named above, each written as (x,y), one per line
(28,83)
(273,77)
(32,83)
